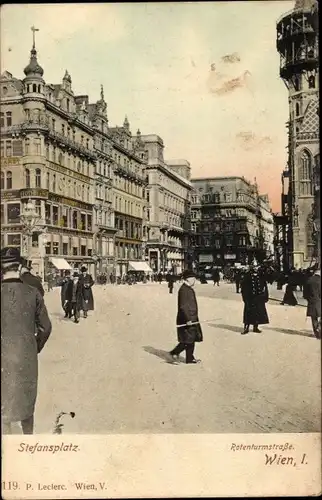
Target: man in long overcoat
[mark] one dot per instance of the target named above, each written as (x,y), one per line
(312,293)
(64,286)
(25,328)
(75,297)
(171,279)
(88,282)
(187,314)
(255,295)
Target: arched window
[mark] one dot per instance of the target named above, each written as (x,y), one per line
(9,180)
(38,177)
(305,174)
(2,180)
(27,176)
(34,87)
(39,88)
(297,109)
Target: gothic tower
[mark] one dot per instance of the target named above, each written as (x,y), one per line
(297,44)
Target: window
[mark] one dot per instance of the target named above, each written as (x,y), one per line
(55,248)
(61,159)
(83,222)
(48,248)
(47,213)
(65,248)
(48,180)
(297,109)
(8,148)
(53,123)
(34,87)
(9,118)
(55,215)
(9,180)
(17,147)
(1,119)
(2,180)
(74,219)
(305,174)
(63,129)
(54,182)
(312,82)
(27,178)
(14,240)
(67,105)
(2,148)
(83,250)
(75,250)
(38,207)
(37,146)
(2,214)
(13,213)
(38,177)
(89,223)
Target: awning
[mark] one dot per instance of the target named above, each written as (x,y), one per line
(60,264)
(140,266)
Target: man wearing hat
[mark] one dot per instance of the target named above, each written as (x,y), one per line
(255,296)
(64,286)
(88,282)
(25,328)
(74,297)
(312,293)
(187,315)
(30,279)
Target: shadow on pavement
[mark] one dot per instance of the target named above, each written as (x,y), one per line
(230,328)
(292,332)
(160,354)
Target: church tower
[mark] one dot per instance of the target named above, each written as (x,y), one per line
(297,44)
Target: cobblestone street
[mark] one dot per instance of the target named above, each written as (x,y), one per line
(111,369)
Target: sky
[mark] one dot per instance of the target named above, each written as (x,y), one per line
(203,76)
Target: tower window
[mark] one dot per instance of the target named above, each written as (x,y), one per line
(311,82)
(297,109)
(39,89)
(305,174)
(9,180)
(34,87)
(38,178)
(9,118)
(27,177)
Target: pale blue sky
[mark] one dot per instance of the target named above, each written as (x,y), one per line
(154,61)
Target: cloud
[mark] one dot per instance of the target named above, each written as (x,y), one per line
(249,140)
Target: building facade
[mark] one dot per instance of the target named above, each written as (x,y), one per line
(168,208)
(230,222)
(297,43)
(47,155)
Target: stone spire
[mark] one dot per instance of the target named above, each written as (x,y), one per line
(126,123)
(33,69)
(67,77)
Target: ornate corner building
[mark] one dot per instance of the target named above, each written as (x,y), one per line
(297,44)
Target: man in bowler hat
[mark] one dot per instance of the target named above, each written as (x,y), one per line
(187,316)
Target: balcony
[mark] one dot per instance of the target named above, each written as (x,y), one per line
(128,173)
(70,143)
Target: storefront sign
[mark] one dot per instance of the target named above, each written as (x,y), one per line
(205,258)
(12,160)
(10,195)
(34,193)
(69,202)
(230,256)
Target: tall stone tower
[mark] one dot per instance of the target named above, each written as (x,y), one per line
(297,44)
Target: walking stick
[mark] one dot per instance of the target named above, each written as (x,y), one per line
(199,322)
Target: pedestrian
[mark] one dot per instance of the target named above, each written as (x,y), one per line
(50,281)
(216,276)
(238,275)
(289,295)
(88,282)
(74,300)
(30,279)
(25,328)
(255,295)
(160,277)
(64,286)
(187,314)
(312,293)
(171,281)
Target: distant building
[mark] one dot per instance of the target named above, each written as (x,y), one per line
(168,206)
(298,46)
(230,222)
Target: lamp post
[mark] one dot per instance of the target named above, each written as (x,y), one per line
(32,223)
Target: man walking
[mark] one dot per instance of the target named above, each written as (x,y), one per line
(74,297)
(187,315)
(25,328)
(216,276)
(171,281)
(88,282)
(312,293)
(255,295)
(63,291)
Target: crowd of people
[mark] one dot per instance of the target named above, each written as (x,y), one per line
(26,327)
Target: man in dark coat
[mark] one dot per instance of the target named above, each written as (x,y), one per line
(25,328)
(187,315)
(30,279)
(88,282)
(216,276)
(74,297)
(64,286)
(312,293)
(171,279)
(255,295)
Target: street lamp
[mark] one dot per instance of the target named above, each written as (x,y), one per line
(29,219)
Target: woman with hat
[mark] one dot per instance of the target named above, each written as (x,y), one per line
(23,312)
(187,315)
(88,282)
